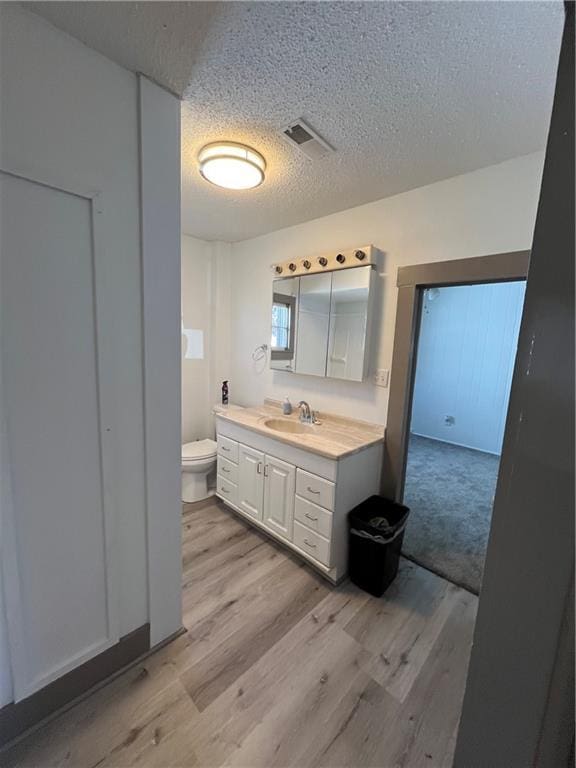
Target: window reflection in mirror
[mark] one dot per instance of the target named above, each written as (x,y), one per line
(348,323)
(284,313)
(313,324)
(281,324)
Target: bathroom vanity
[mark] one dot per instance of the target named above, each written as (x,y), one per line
(298,481)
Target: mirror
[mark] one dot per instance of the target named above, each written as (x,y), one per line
(313,324)
(320,323)
(284,303)
(348,324)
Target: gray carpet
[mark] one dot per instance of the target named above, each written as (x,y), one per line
(449,491)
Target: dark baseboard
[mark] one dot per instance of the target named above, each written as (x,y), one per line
(16,718)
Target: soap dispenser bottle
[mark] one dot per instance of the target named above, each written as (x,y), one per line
(224,393)
(286,406)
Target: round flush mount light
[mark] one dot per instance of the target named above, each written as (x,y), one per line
(231,165)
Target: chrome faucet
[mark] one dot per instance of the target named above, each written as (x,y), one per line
(306,415)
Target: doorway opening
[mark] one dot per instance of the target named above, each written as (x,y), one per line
(457,326)
(467,340)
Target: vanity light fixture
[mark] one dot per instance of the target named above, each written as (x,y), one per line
(332,261)
(231,165)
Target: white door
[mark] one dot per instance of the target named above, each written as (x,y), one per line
(59,525)
(279,488)
(250,481)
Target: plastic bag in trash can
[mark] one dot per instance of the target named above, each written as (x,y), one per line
(380,522)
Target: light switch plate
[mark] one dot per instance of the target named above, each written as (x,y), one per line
(381,377)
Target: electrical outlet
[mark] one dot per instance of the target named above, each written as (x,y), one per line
(381,377)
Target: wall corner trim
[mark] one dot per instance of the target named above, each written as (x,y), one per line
(159,119)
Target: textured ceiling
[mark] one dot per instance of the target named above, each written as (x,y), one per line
(160,39)
(407,93)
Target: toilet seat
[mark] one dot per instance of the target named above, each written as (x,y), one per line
(199,449)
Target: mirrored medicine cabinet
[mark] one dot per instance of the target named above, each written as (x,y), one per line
(321,323)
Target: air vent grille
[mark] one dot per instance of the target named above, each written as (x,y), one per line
(298,134)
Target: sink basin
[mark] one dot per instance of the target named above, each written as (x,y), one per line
(293,427)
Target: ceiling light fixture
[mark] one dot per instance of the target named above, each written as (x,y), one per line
(231,165)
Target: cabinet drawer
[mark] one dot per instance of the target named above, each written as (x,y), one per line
(228,448)
(312,543)
(228,469)
(227,490)
(312,516)
(315,489)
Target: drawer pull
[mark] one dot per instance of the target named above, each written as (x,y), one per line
(225,470)
(309,544)
(259,468)
(310,517)
(225,449)
(311,490)
(224,490)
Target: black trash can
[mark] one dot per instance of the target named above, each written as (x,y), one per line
(376,533)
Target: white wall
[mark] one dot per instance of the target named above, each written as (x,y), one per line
(489,211)
(205,307)
(195,287)
(68,113)
(221,291)
(466,352)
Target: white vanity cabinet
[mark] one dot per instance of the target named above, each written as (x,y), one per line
(250,481)
(298,497)
(265,489)
(279,484)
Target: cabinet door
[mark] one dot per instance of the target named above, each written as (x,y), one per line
(250,481)
(279,490)
(313,324)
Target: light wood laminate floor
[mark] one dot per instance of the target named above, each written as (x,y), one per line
(278,668)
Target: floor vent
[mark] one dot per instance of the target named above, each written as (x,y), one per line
(304,138)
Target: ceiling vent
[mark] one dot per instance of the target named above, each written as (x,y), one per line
(301,136)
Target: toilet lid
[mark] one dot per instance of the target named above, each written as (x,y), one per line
(199,449)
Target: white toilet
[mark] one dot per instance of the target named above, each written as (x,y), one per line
(198,461)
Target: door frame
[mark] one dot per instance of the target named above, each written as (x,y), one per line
(411,282)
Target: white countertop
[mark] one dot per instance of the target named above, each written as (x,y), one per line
(335,437)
